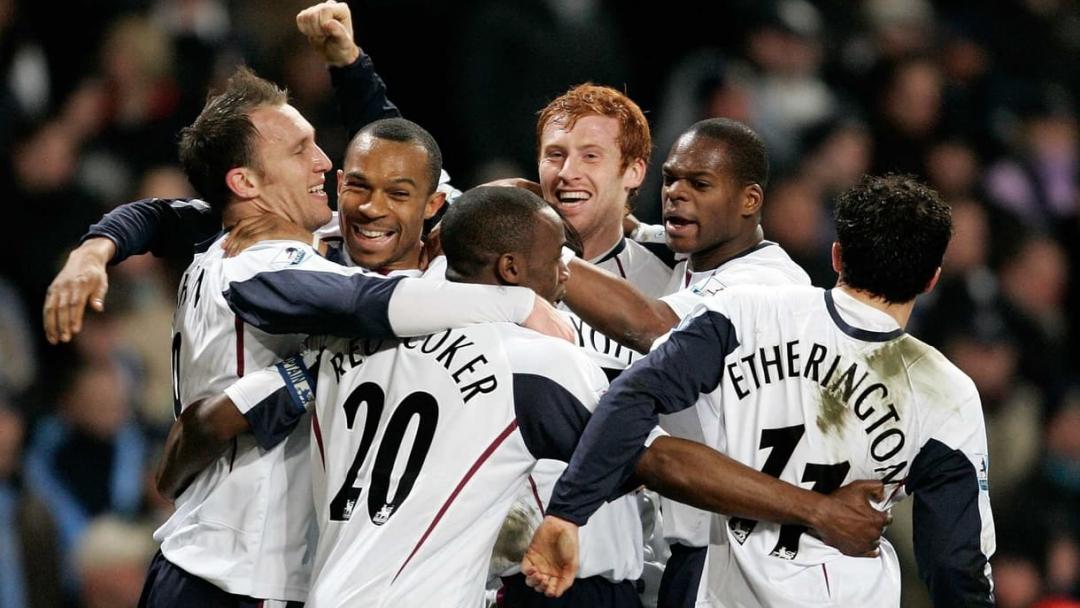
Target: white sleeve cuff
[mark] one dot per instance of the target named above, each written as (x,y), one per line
(423,306)
(654,434)
(248,391)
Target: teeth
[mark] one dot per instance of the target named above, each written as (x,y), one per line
(573,196)
(316,189)
(374,234)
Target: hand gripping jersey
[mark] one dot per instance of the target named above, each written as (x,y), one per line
(420,447)
(817,389)
(244,523)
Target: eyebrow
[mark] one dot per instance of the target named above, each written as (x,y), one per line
(356,175)
(686,174)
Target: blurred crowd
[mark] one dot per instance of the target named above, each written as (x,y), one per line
(980,99)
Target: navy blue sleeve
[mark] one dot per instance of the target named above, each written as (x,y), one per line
(948,527)
(669,379)
(361,95)
(274,417)
(168,228)
(293,301)
(551,418)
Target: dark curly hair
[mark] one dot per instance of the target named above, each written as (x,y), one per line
(893,232)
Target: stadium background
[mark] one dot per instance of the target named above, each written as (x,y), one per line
(979,98)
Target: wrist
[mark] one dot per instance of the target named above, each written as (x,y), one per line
(99,249)
(348,57)
(810,512)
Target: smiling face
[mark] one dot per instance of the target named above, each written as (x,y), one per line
(291,168)
(384,196)
(707,214)
(582,173)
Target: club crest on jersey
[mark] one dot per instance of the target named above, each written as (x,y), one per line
(383,515)
(291,256)
(740,530)
(784,553)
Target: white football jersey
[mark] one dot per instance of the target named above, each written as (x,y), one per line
(420,447)
(635,263)
(234,526)
(765,264)
(818,389)
(244,524)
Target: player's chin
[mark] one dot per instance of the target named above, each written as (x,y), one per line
(371,260)
(682,243)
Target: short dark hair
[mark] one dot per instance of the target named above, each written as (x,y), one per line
(486,222)
(223,136)
(407,131)
(893,232)
(748,160)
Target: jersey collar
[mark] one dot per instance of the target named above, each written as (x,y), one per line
(885,327)
(614,251)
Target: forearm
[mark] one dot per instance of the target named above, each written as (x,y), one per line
(699,476)
(164,227)
(670,379)
(95,250)
(616,308)
(202,433)
(422,306)
(361,94)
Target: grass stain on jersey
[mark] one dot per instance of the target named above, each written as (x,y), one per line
(831,415)
(892,359)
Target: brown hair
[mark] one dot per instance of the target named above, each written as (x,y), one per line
(223,136)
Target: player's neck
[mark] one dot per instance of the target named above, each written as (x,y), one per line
(712,257)
(901,312)
(603,240)
(236,211)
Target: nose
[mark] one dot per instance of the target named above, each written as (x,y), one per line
(675,191)
(321,161)
(375,206)
(564,272)
(571,168)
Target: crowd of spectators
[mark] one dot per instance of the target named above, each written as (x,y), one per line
(980,99)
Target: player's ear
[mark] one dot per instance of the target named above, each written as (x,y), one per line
(508,269)
(243,182)
(634,174)
(340,182)
(933,281)
(837,262)
(434,203)
(753,196)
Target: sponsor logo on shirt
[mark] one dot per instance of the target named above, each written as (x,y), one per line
(709,287)
(982,466)
(291,256)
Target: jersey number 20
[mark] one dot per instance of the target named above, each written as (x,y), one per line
(380,506)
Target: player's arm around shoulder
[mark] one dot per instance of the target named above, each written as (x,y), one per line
(285,287)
